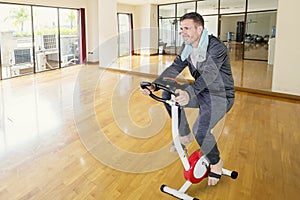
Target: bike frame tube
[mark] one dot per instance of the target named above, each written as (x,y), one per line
(175,133)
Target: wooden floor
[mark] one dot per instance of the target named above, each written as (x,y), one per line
(86,133)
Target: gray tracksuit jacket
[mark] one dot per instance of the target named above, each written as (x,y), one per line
(213,76)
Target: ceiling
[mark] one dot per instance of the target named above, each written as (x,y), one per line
(140,2)
(225,4)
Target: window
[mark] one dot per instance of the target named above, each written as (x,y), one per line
(56,43)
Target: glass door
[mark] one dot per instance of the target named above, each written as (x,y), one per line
(167,39)
(45,23)
(167,29)
(69,37)
(209,11)
(259,29)
(15,40)
(125,34)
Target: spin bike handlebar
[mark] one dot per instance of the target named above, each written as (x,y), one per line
(144,85)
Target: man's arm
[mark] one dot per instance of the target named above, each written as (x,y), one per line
(172,71)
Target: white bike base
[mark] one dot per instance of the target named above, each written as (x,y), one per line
(180,194)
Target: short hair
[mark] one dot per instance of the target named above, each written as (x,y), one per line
(196,17)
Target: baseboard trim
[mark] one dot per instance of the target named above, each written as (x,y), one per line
(141,54)
(93,62)
(268,93)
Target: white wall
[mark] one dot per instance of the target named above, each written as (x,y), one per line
(154,29)
(286,72)
(92,31)
(142,38)
(108,32)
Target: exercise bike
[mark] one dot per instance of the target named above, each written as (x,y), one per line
(196,166)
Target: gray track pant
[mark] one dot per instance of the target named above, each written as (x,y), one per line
(211,110)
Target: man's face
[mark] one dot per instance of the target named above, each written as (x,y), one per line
(191,32)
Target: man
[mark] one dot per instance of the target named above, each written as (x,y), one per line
(212,91)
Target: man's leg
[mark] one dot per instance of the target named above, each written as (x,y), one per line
(212,109)
(203,135)
(220,106)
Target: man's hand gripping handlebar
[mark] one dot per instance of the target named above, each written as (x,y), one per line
(148,88)
(181,97)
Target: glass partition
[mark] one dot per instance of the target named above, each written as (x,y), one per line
(259,5)
(232,28)
(169,26)
(167,11)
(211,24)
(229,6)
(260,30)
(208,7)
(183,8)
(167,29)
(167,35)
(16,40)
(245,30)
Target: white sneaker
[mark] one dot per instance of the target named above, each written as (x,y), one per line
(187,138)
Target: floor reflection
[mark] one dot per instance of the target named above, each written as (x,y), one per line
(33,110)
(253,74)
